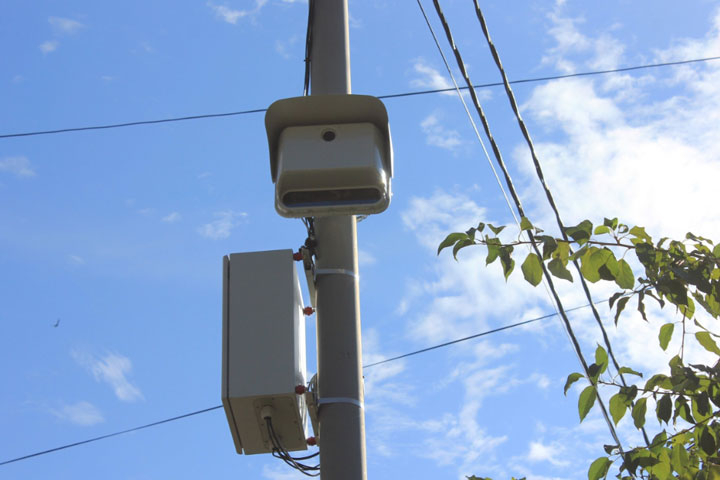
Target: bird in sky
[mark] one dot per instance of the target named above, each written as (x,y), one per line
(57,323)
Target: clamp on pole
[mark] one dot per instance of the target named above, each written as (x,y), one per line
(351,401)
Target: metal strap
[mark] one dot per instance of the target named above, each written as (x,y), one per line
(352,401)
(334,271)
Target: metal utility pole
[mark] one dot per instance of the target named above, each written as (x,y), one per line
(340,388)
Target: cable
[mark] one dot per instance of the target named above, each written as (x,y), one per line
(167,420)
(392,95)
(280,452)
(548,193)
(308,46)
(467,111)
(453,342)
(482,334)
(518,204)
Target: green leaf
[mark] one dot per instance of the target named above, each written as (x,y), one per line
(549,245)
(589,266)
(581,232)
(639,411)
(532,269)
(665,335)
(586,401)
(599,468)
(524,224)
(495,230)
(618,407)
(640,235)
(663,409)
(716,251)
(493,252)
(460,245)
(620,307)
(601,358)
(707,342)
(600,229)
(625,277)
(559,270)
(508,264)
(451,239)
(624,370)
(707,441)
(612,223)
(614,298)
(572,378)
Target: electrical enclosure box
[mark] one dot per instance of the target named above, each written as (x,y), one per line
(330,155)
(263,350)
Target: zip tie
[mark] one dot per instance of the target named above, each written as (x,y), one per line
(335,271)
(352,401)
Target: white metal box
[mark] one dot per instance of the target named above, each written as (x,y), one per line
(263,350)
(333,168)
(330,155)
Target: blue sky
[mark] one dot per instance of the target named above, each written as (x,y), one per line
(120,233)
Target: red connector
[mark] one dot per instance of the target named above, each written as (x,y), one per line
(308,310)
(300,389)
(297,256)
(312,441)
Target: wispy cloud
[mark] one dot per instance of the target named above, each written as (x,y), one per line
(81,413)
(112,369)
(65,25)
(223,224)
(76,259)
(172,217)
(429,78)
(19,166)
(438,135)
(49,46)
(231,15)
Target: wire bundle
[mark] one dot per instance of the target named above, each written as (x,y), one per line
(280,452)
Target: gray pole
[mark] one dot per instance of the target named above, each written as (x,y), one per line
(342,422)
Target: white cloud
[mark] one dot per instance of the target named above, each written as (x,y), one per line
(113,370)
(540,452)
(231,15)
(19,166)
(438,135)
(65,25)
(430,78)
(76,259)
(48,46)
(81,413)
(221,227)
(366,258)
(172,217)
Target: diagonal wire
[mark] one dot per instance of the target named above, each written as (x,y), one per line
(467,111)
(198,412)
(102,437)
(518,204)
(548,193)
(391,95)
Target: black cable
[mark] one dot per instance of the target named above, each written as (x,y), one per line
(220,406)
(521,212)
(280,452)
(308,46)
(111,435)
(548,193)
(392,95)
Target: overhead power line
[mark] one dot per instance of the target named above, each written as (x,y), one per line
(198,412)
(392,95)
(102,437)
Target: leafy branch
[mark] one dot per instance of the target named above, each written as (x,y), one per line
(684,273)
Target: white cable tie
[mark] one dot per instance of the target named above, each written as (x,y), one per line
(352,401)
(335,271)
